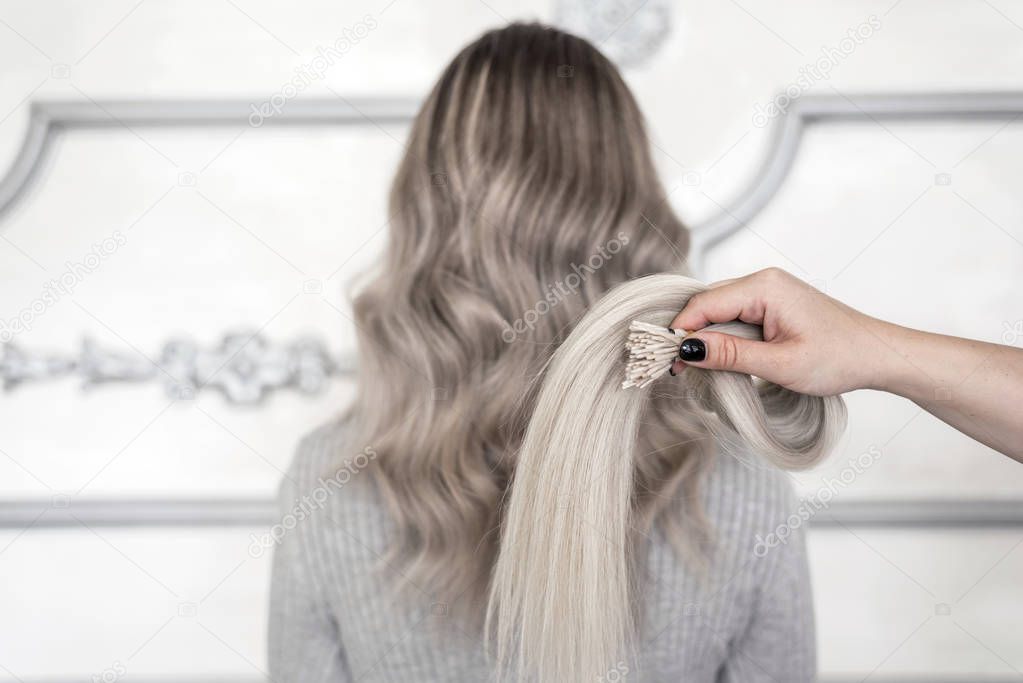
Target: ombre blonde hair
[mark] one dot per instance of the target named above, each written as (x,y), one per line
(525,214)
(527,192)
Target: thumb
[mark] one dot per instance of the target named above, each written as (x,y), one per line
(717,351)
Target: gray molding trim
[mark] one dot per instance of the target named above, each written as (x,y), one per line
(978,678)
(961,678)
(49,118)
(61,512)
(787,132)
(949,513)
(262,512)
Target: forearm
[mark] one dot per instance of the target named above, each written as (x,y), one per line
(974,386)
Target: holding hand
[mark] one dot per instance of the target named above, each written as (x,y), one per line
(812,344)
(816,345)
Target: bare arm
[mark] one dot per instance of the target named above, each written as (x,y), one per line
(974,386)
(817,345)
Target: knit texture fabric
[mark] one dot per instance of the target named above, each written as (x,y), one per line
(334,615)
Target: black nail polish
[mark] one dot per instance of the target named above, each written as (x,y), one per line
(671,371)
(693,350)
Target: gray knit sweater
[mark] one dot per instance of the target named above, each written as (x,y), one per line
(334,618)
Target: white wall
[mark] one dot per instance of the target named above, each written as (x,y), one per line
(273,208)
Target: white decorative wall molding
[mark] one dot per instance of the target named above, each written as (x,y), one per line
(245,375)
(630,32)
(244,367)
(787,132)
(49,119)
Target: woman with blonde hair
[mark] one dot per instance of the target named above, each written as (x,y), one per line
(514,512)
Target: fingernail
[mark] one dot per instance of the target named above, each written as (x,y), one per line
(671,371)
(693,350)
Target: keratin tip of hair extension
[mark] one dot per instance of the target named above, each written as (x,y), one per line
(651,351)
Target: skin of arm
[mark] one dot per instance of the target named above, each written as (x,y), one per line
(817,345)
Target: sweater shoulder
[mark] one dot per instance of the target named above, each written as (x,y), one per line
(746,497)
(326,458)
(315,451)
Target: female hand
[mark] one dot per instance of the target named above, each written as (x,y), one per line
(816,345)
(812,343)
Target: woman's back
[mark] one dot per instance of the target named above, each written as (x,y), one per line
(527,193)
(335,616)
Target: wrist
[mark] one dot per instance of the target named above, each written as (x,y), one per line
(893,370)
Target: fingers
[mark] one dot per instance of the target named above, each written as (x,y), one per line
(744,299)
(733,300)
(717,351)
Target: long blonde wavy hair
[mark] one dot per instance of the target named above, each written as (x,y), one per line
(527,191)
(525,213)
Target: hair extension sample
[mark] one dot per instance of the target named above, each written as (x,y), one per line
(563,591)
